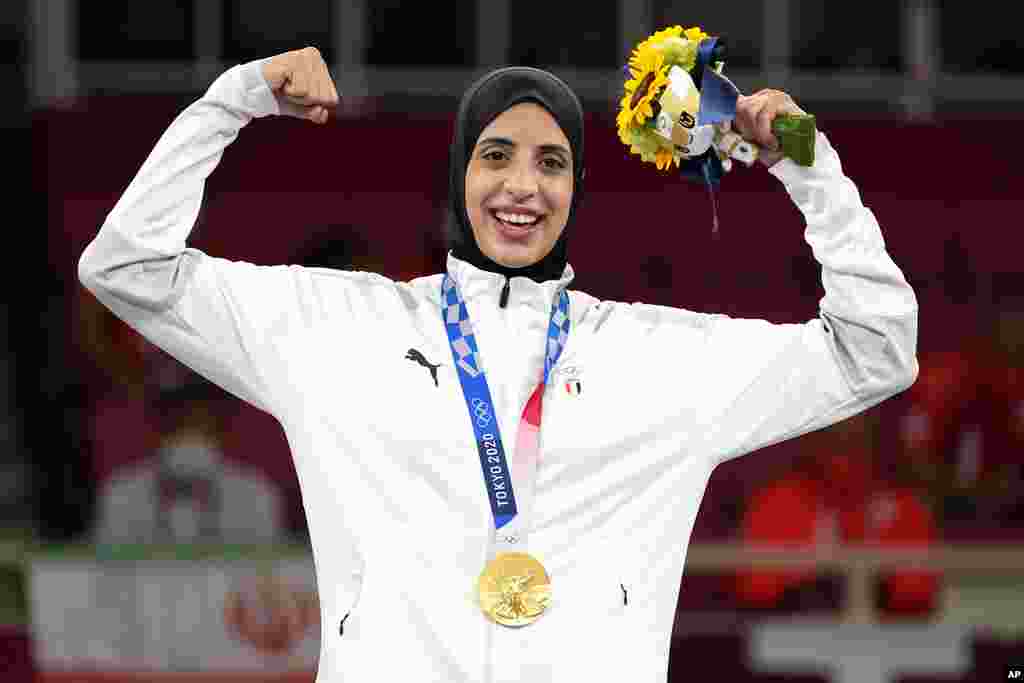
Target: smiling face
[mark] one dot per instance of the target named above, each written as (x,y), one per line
(519,186)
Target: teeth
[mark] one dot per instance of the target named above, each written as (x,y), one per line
(518,218)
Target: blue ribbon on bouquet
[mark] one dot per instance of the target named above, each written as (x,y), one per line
(718,98)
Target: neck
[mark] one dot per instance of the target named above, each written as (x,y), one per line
(548,268)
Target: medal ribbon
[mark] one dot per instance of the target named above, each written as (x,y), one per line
(482,415)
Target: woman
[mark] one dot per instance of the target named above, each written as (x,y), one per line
(567,563)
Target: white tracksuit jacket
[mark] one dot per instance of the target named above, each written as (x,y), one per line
(391,480)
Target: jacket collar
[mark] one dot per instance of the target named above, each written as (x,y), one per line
(483,286)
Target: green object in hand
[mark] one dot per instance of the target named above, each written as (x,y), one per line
(796,135)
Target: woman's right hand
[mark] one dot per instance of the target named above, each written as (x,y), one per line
(303,84)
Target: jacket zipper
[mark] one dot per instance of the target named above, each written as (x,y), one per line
(503,302)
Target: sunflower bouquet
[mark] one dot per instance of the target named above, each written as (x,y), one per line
(678,107)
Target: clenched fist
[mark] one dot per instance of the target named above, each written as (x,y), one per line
(302,83)
(754,116)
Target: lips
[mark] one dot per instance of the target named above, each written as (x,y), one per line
(515,230)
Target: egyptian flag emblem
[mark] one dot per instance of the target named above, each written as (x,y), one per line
(573,387)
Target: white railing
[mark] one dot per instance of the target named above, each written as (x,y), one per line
(860,566)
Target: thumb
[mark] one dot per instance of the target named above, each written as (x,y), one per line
(316,114)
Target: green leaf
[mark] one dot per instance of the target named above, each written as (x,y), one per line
(796,135)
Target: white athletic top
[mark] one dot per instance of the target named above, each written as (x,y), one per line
(644,402)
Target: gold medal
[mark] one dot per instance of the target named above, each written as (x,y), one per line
(514,589)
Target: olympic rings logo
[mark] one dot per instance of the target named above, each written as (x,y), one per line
(483,412)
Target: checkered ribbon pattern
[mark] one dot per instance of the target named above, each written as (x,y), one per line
(558,333)
(464,342)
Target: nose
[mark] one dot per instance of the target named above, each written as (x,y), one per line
(521,181)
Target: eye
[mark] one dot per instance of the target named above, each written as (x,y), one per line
(494,155)
(553,163)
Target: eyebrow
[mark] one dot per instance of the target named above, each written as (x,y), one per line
(505,142)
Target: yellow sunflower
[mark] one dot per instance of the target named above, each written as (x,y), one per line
(648,147)
(695,34)
(650,74)
(649,65)
(657,37)
(660,39)
(664,159)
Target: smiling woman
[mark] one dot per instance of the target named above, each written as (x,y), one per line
(516,175)
(519,186)
(397,396)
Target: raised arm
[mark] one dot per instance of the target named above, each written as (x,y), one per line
(214,315)
(780,381)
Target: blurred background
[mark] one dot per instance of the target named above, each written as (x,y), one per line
(152,525)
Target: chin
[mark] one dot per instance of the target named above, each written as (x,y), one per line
(516,262)
(514,257)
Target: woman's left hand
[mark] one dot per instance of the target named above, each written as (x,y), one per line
(754,116)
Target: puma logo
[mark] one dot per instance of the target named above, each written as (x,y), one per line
(416,356)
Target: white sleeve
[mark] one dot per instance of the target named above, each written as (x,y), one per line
(772,382)
(212,314)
